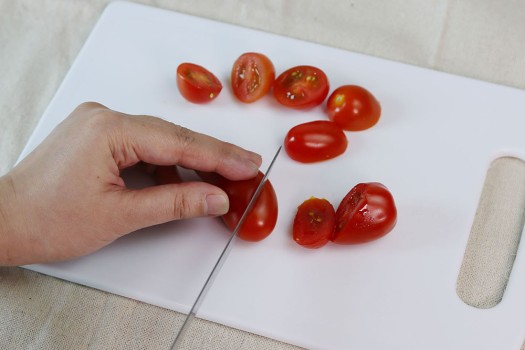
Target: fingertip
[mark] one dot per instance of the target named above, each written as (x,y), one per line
(217,204)
(158,204)
(256,158)
(240,167)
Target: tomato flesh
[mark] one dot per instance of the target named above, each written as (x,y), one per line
(301,87)
(314,223)
(315,141)
(252,76)
(262,217)
(366,213)
(353,108)
(197,84)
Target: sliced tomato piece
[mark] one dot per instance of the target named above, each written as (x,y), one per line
(197,84)
(314,223)
(353,108)
(366,213)
(301,87)
(252,76)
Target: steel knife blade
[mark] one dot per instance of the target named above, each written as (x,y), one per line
(222,258)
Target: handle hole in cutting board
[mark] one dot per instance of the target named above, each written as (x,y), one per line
(495,235)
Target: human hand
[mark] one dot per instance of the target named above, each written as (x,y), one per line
(67,198)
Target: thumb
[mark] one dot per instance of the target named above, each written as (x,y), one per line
(159,204)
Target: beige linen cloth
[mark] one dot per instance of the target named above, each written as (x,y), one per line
(39,40)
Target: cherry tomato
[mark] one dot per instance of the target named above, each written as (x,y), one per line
(353,108)
(252,76)
(315,141)
(197,84)
(366,213)
(167,175)
(314,223)
(262,217)
(301,87)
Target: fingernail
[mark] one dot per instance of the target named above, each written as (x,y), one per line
(256,159)
(254,167)
(217,204)
(245,166)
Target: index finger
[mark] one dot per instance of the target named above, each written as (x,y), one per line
(156,141)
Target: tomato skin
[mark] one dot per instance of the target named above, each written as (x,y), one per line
(164,175)
(315,141)
(301,87)
(366,213)
(353,108)
(252,76)
(314,223)
(262,217)
(197,84)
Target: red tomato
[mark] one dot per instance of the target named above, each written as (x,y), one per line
(197,84)
(301,87)
(366,213)
(167,175)
(314,223)
(353,108)
(315,141)
(252,76)
(262,217)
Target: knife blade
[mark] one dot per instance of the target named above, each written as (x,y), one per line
(222,258)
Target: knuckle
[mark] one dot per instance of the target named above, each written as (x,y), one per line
(186,136)
(184,207)
(94,116)
(90,105)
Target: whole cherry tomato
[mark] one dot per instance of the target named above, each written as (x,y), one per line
(301,87)
(197,84)
(353,108)
(314,223)
(167,175)
(252,76)
(366,213)
(315,141)
(261,219)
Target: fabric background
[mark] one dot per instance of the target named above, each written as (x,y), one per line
(39,40)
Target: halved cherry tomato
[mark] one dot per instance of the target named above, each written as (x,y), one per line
(314,223)
(301,87)
(252,76)
(197,84)
(315,141)
(353,108)
(262,217)
(366,213)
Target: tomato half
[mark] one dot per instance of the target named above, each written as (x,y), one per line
(252,76)
(366,213)
(301,87)
(314,223)
(353,108)
(262,217)
(315,141)
(197,84)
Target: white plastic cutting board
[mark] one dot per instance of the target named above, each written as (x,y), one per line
(437,135)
